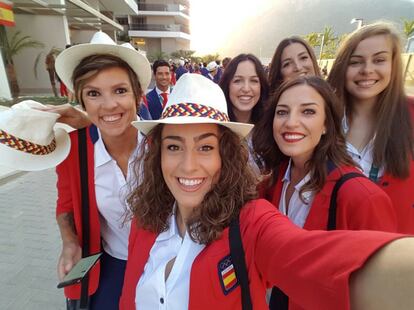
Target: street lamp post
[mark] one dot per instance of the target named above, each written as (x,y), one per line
(360,22)
(322,43)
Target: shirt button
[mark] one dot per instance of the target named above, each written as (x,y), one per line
(162,300)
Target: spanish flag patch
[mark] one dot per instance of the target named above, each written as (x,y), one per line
(227,275)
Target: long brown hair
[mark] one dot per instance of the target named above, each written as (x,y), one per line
(394,142)
(228,75)
(331,147)
(275,72)
(151,201)
(90,66)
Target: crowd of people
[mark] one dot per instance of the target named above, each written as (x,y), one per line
(225,182)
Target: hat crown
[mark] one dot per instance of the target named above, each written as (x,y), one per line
(26,123)
(102,38)
(195,88)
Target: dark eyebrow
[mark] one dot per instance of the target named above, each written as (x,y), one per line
(377,53)
(306,104)
(196,139)
(204,136)
(177,138)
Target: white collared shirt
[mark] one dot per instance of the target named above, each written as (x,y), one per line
(364,158)
(298,210)
(159,91)
(152,291)
(111,190)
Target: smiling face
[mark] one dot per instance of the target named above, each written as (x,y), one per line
(244,88)
(296,61)
(110,101)
(369,68)
(299,122)
(190,161)
(163,77)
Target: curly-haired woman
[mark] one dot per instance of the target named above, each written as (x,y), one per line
(195,182)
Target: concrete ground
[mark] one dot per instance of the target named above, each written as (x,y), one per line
(29,241)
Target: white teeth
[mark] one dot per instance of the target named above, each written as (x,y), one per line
(293,136)
(111,118)
(366,83)
(190,182)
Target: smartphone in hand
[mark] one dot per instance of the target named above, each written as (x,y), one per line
(80,270)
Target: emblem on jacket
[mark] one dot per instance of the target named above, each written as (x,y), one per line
(227,275)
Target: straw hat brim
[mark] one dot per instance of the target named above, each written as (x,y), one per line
(70,58)
(28,162)
(145,126)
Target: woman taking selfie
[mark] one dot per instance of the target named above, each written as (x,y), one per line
(301,143)
(195,184)
(107,80)
(377,115)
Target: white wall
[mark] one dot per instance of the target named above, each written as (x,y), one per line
(4,83)
(50,30)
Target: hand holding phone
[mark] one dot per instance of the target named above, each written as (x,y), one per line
(80,270)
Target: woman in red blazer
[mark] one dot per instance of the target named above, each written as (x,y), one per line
(302,146)
(108,88)
(194,183)
(367,76)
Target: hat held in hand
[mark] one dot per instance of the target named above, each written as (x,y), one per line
(28,140)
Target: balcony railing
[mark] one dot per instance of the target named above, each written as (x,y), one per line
(162,7)
(156,27)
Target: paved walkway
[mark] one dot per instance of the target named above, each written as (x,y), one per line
(29,242)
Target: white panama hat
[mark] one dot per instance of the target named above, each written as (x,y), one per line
(101,43)
(28,139)
(212,66)
(195,99)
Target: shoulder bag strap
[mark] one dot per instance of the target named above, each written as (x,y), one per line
(238,259)
(333,203)
(83,169)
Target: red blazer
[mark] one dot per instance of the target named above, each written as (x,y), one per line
(318,277)
(361,204)
(69,200)
(401,192)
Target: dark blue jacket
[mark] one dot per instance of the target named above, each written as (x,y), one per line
(179,72)
(154,104)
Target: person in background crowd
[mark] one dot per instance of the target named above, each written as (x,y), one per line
(301,143)
(219,73)
(378,116)
(195,185)
(197,69)
(173,68)
(212,69)
(293,57)
(63,89)
(180,70)
(157,98)
(203,69)
(50,67)
(108,81)
(246,90)
(225,62)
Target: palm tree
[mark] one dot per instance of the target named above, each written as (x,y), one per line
(408,27)
(313,39)
(17,43)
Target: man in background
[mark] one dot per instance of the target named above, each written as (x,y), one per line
(157,98)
